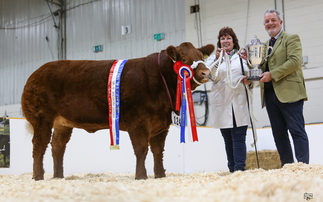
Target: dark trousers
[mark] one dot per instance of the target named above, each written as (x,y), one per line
(235,146)
(283,117)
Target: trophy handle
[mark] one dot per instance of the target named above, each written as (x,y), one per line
(246,50)
(269,47)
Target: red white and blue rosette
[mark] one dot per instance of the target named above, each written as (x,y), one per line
(185,74)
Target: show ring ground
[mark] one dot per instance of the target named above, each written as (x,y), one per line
(291,183)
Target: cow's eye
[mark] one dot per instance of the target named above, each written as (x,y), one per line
(184,60)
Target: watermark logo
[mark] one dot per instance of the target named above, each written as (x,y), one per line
(308,196)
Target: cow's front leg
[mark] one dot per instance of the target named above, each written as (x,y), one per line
(60,138)
(140,146)
(157,144)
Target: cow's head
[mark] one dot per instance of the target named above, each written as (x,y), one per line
(188,54)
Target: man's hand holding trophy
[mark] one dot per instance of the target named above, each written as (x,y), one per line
(254,53)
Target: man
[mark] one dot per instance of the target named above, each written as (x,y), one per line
(283,90)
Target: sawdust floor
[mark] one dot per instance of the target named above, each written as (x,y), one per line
(290,183)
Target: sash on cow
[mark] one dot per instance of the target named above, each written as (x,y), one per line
(114,102)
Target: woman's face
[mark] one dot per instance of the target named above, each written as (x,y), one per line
(226,42)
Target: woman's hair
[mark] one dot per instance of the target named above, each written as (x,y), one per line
(227,30)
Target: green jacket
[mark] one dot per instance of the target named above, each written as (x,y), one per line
(285,66)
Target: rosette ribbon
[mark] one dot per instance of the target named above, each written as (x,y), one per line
(184,75)
(114,102)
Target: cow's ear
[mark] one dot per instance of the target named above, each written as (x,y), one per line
(172,53)
(207,50)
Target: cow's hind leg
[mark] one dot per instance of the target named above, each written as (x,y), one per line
(140,146)
(41,138)
(157,144)
(60,138)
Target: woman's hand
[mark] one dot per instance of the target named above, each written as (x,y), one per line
(245,81)
(243,55)
(218,51)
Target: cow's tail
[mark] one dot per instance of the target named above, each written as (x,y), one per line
(29,128)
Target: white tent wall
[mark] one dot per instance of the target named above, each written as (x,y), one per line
(24,25)
(100,22)
(246,18)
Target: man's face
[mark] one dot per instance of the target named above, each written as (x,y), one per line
(272,24)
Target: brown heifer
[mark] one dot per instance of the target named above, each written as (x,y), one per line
(70,94)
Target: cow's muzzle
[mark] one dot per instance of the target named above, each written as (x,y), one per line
(205,73)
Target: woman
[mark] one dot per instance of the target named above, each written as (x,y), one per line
(229,105)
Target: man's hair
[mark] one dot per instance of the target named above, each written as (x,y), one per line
(273,11)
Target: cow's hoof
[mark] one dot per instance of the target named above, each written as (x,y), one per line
(58,175)
(160,176)
(160,173)
(141,178)
(38,178)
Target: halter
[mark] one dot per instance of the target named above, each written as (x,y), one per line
(194,65)
(168,93)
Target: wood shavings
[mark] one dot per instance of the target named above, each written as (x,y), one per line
(287,184)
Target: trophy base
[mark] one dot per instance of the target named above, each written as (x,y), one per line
(253,78)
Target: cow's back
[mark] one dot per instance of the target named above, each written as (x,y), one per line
(75,90)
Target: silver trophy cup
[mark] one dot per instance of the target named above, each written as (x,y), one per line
(255,54)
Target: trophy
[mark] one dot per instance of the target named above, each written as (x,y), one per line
(255,54)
